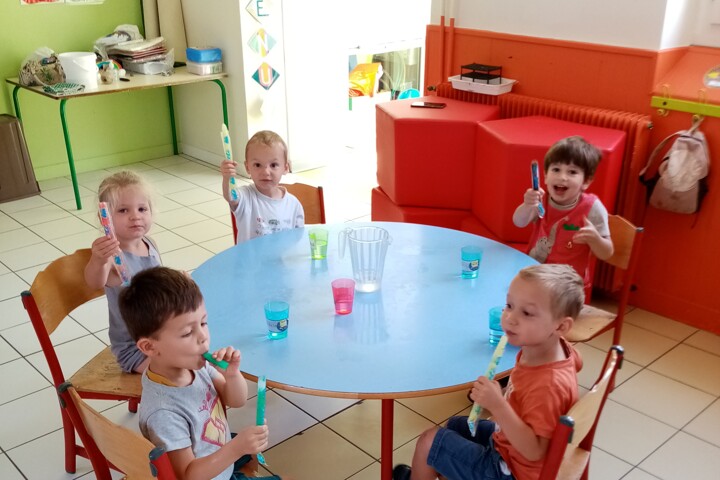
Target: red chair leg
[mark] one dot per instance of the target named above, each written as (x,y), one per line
(133,405)
(70,446)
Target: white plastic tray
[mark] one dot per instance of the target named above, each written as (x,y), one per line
(467,84)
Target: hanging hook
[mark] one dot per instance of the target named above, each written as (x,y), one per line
(696,121)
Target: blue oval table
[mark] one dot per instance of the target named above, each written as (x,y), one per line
(424,332)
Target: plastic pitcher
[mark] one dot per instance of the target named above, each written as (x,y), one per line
(368,246)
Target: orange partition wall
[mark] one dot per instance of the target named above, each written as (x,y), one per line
(588,74)
(677,275)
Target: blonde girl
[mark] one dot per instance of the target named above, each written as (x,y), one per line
(131,210)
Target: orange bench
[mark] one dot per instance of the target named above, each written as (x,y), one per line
(473,187)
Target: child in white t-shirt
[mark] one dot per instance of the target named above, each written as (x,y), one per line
(264,207)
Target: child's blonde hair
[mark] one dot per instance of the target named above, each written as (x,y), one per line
(109,188)
(565,286)
(268,138)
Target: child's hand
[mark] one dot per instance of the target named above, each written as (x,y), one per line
(104,248)
(487,393)
(228,168)
(588,234)
(232,356)
(533,197)
(251,440)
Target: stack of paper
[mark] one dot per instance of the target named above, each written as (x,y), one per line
(135,53)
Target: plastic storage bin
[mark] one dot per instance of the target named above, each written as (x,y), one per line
(17,179)
(469,85)
(203,54)
(204,68)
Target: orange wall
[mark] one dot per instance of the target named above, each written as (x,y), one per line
(680,261)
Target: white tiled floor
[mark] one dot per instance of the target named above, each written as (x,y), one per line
(662,422)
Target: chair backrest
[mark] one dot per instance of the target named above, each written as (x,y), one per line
(311,198)
(576,429)
(55,292)
(626,239)
(113,446)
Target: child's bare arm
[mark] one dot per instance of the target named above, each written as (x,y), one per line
(232,385)
(98,271)
(602,247)
(526,212)
(186,466)
(228,169)
(489,394)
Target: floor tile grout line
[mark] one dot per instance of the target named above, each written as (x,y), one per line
(649,365)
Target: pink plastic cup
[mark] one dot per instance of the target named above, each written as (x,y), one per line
(343,293)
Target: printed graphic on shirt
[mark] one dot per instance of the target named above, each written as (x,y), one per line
(273,225)
(215,428)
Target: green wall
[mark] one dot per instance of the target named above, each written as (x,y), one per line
(106,131)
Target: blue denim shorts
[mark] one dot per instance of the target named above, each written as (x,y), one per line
(457,455)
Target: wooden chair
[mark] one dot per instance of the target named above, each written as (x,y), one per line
(568,456)
(311,198)
(55,292)
(112,446)
(593,321)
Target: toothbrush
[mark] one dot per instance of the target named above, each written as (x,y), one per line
(225,136)
(490,373)
(262,388)
(260,414)
(118,262)
(535,169)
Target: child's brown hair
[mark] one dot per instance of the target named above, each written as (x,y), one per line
(577,151)
(154,296)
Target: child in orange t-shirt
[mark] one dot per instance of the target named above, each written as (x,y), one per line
(542,303)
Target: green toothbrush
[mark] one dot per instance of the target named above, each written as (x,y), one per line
(262,388)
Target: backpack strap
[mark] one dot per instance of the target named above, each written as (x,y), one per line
(656,153)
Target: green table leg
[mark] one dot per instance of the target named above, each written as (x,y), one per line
(15,101)
(224,101)
(172,120)
(68,149)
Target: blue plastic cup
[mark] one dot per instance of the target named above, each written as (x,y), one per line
(277,314)
(495,325)
(470,257)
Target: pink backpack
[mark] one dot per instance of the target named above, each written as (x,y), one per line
(681,179)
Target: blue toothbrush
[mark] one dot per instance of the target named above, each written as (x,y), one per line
(535,169)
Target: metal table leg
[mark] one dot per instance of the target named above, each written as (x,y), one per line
(172,120)
(224,101)
(15,102)
(68,149)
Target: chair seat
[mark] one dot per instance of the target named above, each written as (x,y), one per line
(574,463)
(591,322)
(102,375)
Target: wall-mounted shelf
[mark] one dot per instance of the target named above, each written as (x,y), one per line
(705,109)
